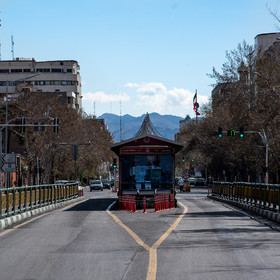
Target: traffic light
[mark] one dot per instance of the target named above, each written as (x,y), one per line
(183,159)
(114,163)
(231,132)
(220,132)
(241,132)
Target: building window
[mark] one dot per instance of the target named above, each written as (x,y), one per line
(26,70)
(43,70)
(69,70)
(56,70)
(2,84)
(4,70)
(16,70)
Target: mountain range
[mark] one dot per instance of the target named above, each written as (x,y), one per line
(166,125)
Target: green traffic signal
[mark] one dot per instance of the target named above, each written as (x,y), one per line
(220,132)
(231,132)
(241,132)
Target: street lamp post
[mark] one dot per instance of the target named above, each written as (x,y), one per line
(265,142)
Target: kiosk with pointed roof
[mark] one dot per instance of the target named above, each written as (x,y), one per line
(146,162)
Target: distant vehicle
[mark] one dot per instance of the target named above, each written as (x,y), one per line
(192,180)
(200,182)
(61,182)
(96,185)
(106,183)
(112,182)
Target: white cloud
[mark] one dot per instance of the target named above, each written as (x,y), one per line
(155,97)
(102,97)
(131,85)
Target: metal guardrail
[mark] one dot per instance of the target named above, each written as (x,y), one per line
(266,196)
(21,199)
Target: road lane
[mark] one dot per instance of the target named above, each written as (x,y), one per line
(212,241)
(82,242)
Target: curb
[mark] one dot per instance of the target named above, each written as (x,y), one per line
(270,215)
(34,212)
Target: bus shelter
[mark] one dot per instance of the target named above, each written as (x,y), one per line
(146,165)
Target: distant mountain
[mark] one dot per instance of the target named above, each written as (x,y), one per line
(166,125)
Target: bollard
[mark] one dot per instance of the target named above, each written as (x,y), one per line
(166,198)
(162,202)
(156,203)
(144,204)
(120,203)
(134,203)
(172,201)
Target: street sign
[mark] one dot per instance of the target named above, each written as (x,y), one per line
(8,167)
(8,163)
(9,158)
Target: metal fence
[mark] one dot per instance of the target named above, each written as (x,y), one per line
(21,199)
(265,196)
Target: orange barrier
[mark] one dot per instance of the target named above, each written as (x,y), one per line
(164,202)
(127,202)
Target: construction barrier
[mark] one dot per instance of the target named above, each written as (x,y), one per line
(161,202)
(164,202)
(127,202)
(187,187)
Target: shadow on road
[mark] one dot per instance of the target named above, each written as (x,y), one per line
(96,204)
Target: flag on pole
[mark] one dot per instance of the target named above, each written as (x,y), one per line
(195,104)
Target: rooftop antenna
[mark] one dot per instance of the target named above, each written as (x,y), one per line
(120,120)
(94,108)
(13,54)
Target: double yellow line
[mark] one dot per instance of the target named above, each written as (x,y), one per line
(152,269)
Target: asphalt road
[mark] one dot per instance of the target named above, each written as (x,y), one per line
(84,241)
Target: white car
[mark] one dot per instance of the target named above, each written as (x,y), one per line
(96,185)
(192,180)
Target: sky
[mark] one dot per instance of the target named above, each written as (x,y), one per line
(136,56)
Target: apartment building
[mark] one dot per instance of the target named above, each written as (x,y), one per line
(47,78)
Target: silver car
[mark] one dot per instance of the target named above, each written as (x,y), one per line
(96,185)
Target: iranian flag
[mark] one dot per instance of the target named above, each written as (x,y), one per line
(195,104)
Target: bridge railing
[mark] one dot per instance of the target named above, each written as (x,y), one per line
(21,199)
(265,196)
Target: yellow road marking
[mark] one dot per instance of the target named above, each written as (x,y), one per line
(132,233)
(152,268)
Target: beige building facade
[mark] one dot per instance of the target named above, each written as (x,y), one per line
(59,77)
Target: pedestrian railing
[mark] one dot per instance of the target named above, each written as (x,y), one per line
(265,196)
(21,199)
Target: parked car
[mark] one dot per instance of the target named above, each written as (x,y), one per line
(200,182)
(112,182)
(106,183)
(61,182)
(192,180)
(96,185)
